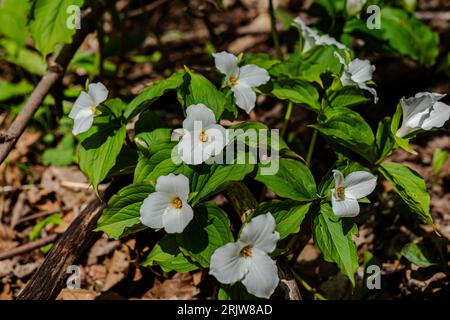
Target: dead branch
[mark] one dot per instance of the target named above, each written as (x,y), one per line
(27,247)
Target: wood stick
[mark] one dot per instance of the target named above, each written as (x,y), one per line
(49,279)
(27,247)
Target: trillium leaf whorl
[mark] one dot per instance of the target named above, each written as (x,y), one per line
(242,80)
(247,259)
(83,110)
(168,206)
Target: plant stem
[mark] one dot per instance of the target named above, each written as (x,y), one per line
(311,147)
(287,117)
(276,40)
(307,286)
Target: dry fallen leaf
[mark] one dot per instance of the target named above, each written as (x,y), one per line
(77,294)
(180,287)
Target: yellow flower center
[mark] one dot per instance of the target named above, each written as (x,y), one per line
(92,108)
(203,136)
(177,203)
(246,252)
(340,192)
(233,80)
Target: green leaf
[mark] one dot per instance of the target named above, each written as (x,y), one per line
(49,25)
(97,153)
(384,140)
(288,215)
(262,60)
(208,231)
(154,141)
(197,89)
(62,155)
(152,93)
(297,91)
(347,128)
(13,15)
(122,215)
(334,239)
(318,61)
(417,254)
(168,256)
(257,135)
(9,90)
(395,124)
(293,180)
(347,97)
(439,158)
(29,60)
(235,291)
(410,186)
(208,181)
(35,233)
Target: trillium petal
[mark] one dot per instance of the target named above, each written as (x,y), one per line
(338,178)
(327,40)
(226,63)
(190,149)
(227,266)
(83,121)
(177,185)
(175,220)
(245,97)
(252,75)
(359,184)
(83,102)
(438,116)
(364,86)
(217,139)
(262,276)
(153,208)
(198,116)
(345,208)
(260,233)
(361,70)
(98,92)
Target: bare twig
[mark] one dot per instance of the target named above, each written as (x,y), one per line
(27,247)
(54,73)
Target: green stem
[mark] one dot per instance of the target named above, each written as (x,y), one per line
(307,286)
(276,40)
(287,117)
(311,147)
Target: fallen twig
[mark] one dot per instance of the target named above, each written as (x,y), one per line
(27,247)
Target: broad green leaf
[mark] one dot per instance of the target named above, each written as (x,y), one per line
(257,135)
(49,25)
(318,61)
(235,291)
(168,256)
(347,97)
(384,140)
(288,215)
(122,215)
(333,237)
(417,254)
(395,124)
(262,60)
(152,93)
(197,89)
(154,141)
(348,129)
(10,90)
(402,33)
(439,158)
(209,180)
(27,59)
(208,231)
(292,180)
(13,15)
(410,186)
(97,153)
(297,91)
(62,155)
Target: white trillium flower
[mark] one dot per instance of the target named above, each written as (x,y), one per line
(346,192)
(242,80)
(424,111)
(311,38)
(201,137)
(167,207)
(83,110)
(354,6)
(247,259)
(357,73)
